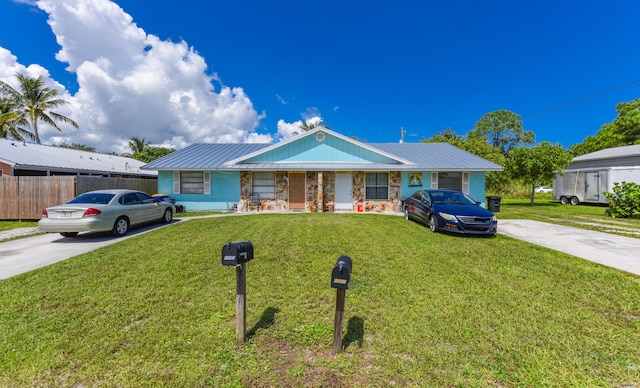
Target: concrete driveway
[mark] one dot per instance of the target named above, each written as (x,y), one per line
(29,253)
(607,249)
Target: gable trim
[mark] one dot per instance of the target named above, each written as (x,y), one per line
(313,132)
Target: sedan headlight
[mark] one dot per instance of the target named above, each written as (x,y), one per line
(447,216)
(494,218)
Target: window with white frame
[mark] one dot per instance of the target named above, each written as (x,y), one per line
(264,184)
(191,182)
(377,185)
(451,180)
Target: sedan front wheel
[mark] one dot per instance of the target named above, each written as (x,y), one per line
(433,223)
(168,216)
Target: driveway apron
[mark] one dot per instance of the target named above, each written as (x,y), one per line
(607,249)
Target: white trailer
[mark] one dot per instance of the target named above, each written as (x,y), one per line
(587,185)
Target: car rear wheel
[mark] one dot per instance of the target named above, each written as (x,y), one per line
(121,227)
(575,200)
(433,223)
(69,234)
(407,216)
(168,216)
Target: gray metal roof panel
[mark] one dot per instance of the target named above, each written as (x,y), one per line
(423,156)
(43,157)
(611,153)
(204,156)
(438,156)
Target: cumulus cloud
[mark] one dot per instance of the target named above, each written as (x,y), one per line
(288,130)
(131,83)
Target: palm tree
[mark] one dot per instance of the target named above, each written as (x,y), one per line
(138,145)
(33,103)
(8,127)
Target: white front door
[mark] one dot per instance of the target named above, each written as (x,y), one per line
(343,192)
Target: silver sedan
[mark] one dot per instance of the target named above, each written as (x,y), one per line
(105,210)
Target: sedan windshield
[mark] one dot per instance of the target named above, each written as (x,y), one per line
(452,198)
(95,198)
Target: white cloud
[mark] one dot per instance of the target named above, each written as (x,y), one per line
(135,84)
(287,130)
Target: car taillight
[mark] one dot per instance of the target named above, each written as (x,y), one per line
(91,212)
(45,214)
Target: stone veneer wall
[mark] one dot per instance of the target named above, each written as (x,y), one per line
(281,202)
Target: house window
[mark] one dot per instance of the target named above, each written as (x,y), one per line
(264,184)
(191,182)
(377,185)
(450,181)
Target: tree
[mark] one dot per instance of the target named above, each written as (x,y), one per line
(33,103)
(8,128)
(138,145)
(78,146)
(312,123)
(503,129)
(624,130)
(149,154)
(537,165)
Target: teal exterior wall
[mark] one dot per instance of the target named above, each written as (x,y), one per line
(477,185)
(224,191)
(309,149)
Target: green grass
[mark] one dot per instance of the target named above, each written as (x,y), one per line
(582,216)
(8,225)
(157,310)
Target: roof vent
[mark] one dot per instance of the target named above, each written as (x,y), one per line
(320,136)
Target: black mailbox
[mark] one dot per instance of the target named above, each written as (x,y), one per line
(237,253)
(341,274)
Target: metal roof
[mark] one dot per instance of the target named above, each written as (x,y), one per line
(209,156)
(31,156)
(421,156)
(439,156)
(611,153)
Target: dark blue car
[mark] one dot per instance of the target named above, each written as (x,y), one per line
(449,211)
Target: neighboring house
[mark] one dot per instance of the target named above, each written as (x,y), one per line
(317,168)
(29,159)
(589,175)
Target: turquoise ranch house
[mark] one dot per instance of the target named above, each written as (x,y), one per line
(318,170)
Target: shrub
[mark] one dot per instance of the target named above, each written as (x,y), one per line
(624,202)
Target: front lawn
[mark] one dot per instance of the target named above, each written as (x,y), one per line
(584,216)
(430,310)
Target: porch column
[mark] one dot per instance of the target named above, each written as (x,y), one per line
(320,193)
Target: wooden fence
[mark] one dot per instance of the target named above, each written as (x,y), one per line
(24,197)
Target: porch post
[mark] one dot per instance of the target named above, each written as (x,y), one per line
(320,193)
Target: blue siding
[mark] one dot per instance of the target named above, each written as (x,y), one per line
(407,190)
(225,191)
(477,185)
(332,149)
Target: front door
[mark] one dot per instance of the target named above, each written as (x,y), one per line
(296,191)
(343,192)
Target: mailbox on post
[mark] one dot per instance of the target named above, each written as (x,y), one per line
(341,274)
(237,253)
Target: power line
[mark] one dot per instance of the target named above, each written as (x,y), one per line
(581,100)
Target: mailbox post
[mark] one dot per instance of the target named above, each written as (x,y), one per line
(238,254)
(340,278)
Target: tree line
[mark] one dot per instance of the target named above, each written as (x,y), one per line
(499,136)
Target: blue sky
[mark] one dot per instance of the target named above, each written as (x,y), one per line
(230,71)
